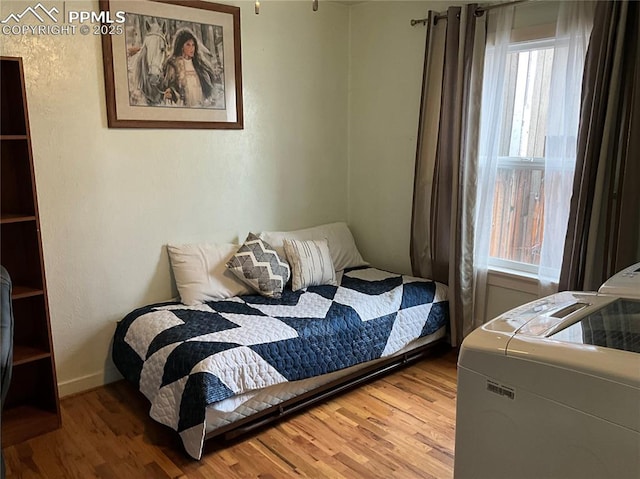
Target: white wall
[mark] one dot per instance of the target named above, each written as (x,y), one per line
(385,81)
(110,199)
(505,291)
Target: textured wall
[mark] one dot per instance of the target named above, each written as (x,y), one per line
(387,55)
(110,199)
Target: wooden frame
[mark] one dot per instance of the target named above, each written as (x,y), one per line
(152,80)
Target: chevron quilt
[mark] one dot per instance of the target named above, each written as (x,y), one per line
(183,358)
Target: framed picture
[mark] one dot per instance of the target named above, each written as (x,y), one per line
(172,64)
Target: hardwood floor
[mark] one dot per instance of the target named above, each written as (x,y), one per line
(399,426)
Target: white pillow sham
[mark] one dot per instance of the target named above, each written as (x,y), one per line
(201,274)
(310,262)
(342,246)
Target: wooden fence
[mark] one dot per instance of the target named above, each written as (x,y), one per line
(518,215)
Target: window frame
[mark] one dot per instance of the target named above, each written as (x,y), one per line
(502,265)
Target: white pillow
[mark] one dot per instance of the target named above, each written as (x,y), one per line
(310,262)
(201,274)
(342,247)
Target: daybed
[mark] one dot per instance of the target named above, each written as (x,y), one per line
(223,365)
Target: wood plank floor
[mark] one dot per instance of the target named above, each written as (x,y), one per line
(401,426)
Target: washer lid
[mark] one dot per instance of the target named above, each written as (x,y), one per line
(595,335)
(624,283)
(616,326)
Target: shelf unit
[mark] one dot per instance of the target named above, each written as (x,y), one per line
(32,406)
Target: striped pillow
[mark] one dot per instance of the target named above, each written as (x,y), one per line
(311,263)
(258,265)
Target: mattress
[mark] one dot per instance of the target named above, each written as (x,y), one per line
(189,360)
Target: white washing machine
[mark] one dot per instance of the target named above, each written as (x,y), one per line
(625,283)
(551,389)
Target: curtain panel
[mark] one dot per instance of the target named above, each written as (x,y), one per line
(457,158)
(491,123)
(603,234)
(575,20)
(444,188)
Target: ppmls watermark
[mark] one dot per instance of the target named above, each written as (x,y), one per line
(40,20)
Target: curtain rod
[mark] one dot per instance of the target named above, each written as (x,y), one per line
(479,12)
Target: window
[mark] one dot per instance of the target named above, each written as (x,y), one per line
(518,203)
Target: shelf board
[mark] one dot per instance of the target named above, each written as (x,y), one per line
(20,292)
(13,137)
(27,354)
(24,422)
(16,218)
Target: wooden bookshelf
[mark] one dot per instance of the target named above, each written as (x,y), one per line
(32,406)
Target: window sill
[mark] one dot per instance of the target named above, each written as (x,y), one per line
(515,280)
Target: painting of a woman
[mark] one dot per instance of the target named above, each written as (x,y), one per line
(177,65)
(190,79)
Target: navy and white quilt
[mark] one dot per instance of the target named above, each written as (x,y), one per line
(184,358)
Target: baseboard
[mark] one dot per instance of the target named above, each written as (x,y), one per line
(90,381)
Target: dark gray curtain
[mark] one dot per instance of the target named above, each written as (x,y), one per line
(603,234)
(448,152)
(442,223)
(420,242)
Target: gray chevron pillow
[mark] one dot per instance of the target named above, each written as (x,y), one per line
(258,265)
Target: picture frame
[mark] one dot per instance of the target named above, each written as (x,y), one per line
(172,64)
